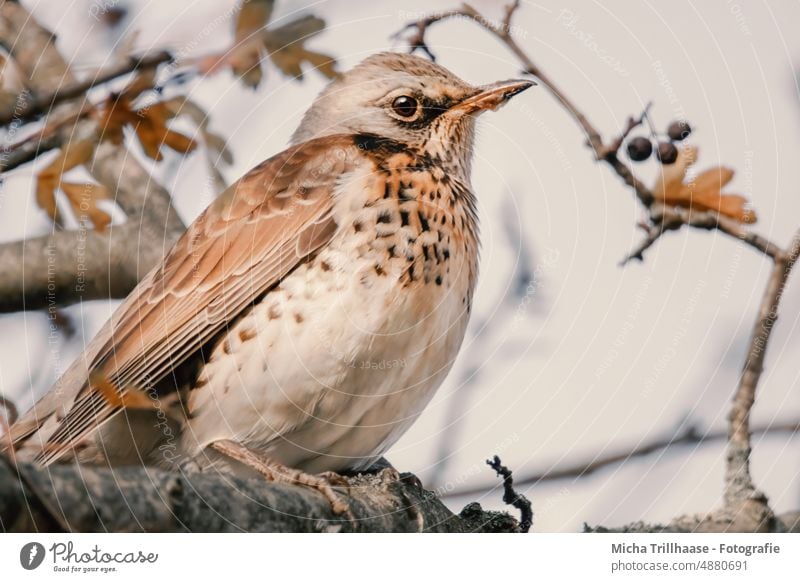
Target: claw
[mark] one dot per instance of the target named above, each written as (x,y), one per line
(335,479)
(279,473)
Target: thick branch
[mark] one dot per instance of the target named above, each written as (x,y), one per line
(88,499)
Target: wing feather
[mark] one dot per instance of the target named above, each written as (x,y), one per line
(252,236)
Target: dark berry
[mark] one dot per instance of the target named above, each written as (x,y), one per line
(639,149)
(678,130)
(667,153)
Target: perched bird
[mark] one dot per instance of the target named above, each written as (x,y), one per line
(306,318)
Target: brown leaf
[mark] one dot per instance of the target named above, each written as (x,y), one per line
(285,46)
(113,116)
(247,51)
(149,138)
(142,82)
(704,192)
(288,60)
(253,18)
(150,125)
(325,64)
(214,142)
(83,199)
(178,142)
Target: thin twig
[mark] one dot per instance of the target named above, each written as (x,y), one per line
(27,110)
(737,474)
(653,233)
(690,436)
(605,153)
(613,147)
(27,151)
(511,497)
(738,480)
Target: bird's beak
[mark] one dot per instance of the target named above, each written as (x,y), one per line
(491,96)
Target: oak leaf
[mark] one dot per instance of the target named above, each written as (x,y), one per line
(704,192)
(82,198)
(150,123)
(283,45)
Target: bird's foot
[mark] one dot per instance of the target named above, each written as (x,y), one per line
(280,473)
(334,479)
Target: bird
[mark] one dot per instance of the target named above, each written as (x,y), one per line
(305,319)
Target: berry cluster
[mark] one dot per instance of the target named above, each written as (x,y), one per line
(640,148)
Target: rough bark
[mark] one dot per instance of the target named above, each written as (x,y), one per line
(78,498)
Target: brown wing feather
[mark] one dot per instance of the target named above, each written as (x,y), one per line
(251,237)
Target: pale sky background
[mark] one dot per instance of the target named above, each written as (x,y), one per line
(594,358)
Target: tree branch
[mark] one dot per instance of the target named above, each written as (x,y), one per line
(70,266)
(738,481)
(690,436)
(510,495)
(81,498)
(745,508)
(30,109)
(606,153)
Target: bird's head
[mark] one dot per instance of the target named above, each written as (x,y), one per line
(410,100)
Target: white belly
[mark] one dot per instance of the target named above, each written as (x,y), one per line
(331,368)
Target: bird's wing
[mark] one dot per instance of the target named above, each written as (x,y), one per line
(251,237)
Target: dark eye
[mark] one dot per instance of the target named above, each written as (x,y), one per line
(405,106)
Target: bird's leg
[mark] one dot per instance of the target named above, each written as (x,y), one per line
(279,473)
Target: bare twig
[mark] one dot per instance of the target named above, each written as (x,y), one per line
(690,436)
(653,233)
(27,151)
(738,480)
(27,110)
(603,152)
(632,123)
(510,496)
(663,218)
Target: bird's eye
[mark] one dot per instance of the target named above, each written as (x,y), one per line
(405,106)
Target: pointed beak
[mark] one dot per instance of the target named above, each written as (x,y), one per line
(491,96)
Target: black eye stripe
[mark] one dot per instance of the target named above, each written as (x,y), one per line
(428,111)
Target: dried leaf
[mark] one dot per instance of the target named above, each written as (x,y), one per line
(48,179)
(218,145)
(704,192)
(253,17)
(83,199)
(113,116)
(178,142)
(247,51)
(290,59)
(142,82)
(214,142)
(149,123)
(285,46)
(325,64)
